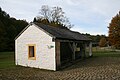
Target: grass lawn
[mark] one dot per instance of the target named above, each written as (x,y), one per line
(104,65)
(7,60)
(106,54)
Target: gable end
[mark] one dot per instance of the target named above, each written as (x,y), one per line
(30,24)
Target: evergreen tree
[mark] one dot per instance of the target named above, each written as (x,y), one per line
(9,29)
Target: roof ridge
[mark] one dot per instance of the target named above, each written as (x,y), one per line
(62,33)
(50,26)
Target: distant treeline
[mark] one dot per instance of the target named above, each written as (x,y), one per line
(96,39)
(11,27)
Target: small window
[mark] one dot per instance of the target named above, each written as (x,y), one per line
(31,52)
(78,49)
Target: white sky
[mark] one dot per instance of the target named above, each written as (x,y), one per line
(88,16)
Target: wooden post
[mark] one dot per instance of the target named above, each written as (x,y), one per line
(90,49)
(57,50)
(85,53)
(74,48)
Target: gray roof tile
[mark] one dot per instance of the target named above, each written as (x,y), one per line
(63,33)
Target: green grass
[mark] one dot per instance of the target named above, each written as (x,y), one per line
(7,60)
(106,54)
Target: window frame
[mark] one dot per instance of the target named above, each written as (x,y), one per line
(32,58)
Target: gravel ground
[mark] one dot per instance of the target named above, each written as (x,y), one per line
(96,68)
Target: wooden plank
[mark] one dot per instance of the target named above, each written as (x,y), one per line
(90,49)
(57,51)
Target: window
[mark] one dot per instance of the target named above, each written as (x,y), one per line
(78,49)
(31,52)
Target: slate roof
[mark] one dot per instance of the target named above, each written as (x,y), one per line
(60,33)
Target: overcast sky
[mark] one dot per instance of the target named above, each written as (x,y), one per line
(88,16)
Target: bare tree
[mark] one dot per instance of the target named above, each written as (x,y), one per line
(57,14)
(45,12)
(54,15)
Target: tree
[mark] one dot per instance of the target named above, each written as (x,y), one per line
(114,31)
(53,16)
(3,44)
(9,29)
(45,12)
(103,42)
(58,15)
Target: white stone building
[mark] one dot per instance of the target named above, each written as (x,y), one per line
(46,47)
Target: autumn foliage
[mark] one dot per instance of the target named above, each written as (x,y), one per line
(103,42)
(114,31)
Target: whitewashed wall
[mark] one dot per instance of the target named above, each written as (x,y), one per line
(45,57)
